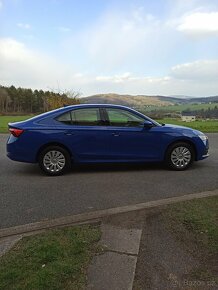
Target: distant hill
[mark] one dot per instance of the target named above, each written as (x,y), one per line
(213,99)
(142,101)
(128,100)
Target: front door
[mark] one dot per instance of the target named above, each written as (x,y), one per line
(128,139)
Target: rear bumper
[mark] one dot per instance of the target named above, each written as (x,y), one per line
(17,152)
(19,157)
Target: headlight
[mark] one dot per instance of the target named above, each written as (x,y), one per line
(203,137)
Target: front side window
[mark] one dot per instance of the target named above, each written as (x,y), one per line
(123,118)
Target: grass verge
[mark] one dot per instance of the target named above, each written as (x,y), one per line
(4,120)
(195,223)
(56,259)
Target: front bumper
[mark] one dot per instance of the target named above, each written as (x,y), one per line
(203,149)
(205,155)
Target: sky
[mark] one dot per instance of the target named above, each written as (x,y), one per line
(159,47)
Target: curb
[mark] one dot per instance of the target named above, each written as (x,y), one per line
(97,215)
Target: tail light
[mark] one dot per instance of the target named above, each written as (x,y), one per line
(16,132)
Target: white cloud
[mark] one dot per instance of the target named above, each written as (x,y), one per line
(201,71)
(152,86)
(199,23)
(117,78)
(1,4)
(198,78)
(23,25)
(22,66)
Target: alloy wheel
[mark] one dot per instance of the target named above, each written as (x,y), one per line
(54,161)
(181,157)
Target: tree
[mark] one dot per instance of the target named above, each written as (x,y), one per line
(20,100)
(5,100)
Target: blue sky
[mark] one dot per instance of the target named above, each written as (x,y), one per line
(165,47)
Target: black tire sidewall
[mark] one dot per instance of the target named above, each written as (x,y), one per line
(168,161)
(55,148)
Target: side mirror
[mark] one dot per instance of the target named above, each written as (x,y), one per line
(147,124)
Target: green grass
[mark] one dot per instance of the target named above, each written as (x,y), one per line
(4,120)
(56,259)
(195,223)
(204,126)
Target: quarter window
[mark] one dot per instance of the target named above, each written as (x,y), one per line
(123,118)
(65,118)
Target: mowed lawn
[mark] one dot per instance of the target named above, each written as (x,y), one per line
(4,120)
(56,259)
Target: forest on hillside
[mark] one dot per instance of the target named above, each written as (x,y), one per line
(21,100)
(209,113)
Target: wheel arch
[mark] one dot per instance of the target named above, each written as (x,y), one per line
(184,141)
(53,144)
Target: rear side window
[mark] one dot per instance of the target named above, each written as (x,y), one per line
(86,117)
(81,117)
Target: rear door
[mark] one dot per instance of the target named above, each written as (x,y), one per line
(83,131)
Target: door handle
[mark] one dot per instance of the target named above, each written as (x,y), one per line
(116,134)
(68,134)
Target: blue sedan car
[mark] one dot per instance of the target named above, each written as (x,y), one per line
(102,133)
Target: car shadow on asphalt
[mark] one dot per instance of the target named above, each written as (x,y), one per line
(127,167)
(33,169)
(114,167)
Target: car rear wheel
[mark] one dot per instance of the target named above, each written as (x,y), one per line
(54,160)
(179,156)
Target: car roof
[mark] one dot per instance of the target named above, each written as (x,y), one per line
(52,114)
(97,105)
(79,106)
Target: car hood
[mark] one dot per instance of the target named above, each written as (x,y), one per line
(171,127)
(175,126)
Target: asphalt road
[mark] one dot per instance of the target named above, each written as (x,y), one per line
(26,195)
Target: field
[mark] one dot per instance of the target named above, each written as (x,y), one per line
(209,126)
(4,120)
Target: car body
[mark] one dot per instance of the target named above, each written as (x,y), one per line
(89,133)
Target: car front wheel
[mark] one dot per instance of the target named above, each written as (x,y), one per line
(54,160)
(179,156)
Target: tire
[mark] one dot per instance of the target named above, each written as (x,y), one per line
(179,156)
(54,160)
